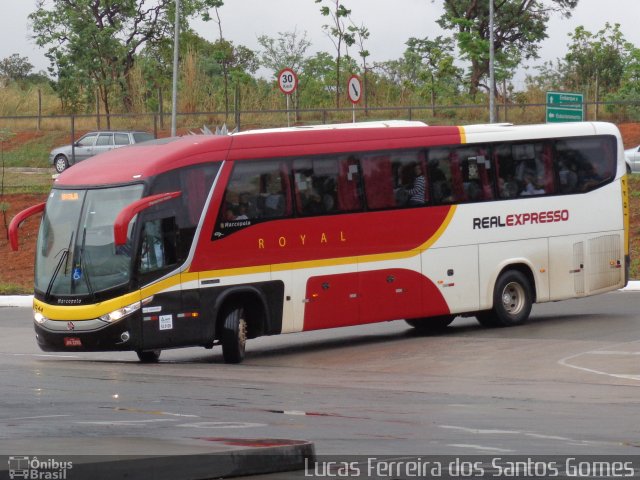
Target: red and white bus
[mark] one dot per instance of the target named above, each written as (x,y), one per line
(207,240)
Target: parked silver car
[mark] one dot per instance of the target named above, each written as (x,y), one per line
(632,156)
(92,144)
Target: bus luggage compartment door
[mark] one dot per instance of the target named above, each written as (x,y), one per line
(331,301)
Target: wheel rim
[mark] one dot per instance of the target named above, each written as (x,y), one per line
(242,334)
(513,298)
(61,164)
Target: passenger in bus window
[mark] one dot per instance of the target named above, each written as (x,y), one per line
(314,204)
(248,205)
(568,177)
(587,177)
(508,186)
(273,198)
(531,186)
(441,189)
(418,189)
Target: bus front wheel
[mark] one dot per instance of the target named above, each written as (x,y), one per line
(234,336)
(512,301)
(431,324)
(148,356)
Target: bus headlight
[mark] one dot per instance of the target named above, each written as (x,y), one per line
(39,318)
(120,313)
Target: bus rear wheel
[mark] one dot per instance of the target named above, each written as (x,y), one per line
(431,324)
(148,356)
(512,301)
(234,336)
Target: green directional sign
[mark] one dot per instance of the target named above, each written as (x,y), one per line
(564,107)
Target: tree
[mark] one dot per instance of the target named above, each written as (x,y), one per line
(629,91)
(317,79)
(338,33)
(360,35)
(519,27)
(15,67)
(285,51)
(101,39)
(596,61)
(432,68)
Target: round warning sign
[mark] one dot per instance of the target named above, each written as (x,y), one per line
(354,89)
(287,81)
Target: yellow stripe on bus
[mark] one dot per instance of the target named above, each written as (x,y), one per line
(463,135)
(353,260)
(93,311)
(624,183)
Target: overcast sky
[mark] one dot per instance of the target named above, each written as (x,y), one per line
(391,23)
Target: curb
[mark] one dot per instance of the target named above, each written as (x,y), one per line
(27,300)
(131,458)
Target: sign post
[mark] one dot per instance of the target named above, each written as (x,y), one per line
(354,90)
(287,82)
(564,107)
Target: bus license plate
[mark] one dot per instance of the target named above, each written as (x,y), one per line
(72,342)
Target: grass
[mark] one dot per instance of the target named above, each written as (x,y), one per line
(17,180)
(13,289)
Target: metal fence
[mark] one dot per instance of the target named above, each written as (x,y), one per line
(159,123)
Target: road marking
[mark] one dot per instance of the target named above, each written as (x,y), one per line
(37,355)
(223,425)
(513,432)
(33,418)
(565,362)
(480,447)
(481,431)
(151,412)
(126,423)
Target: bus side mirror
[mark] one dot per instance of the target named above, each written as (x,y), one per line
(121,224)
(17,221)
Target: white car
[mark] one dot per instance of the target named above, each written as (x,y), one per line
(92,144)
(632,156)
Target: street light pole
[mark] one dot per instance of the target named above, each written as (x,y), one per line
(176,48)
(492,80)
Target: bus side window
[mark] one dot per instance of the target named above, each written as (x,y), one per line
(533,168)
(474,174)
(159,245)
(256,191)
(315,182)
(508,186)
(378,181)
(593,161)
(439,173)
(349,185)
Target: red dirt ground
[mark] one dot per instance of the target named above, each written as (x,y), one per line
(17,267)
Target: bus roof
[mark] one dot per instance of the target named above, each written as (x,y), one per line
(140,161)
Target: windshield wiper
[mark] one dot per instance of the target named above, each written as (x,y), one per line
(83,271)
(63,260)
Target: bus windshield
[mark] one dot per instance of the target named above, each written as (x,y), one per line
(76,252)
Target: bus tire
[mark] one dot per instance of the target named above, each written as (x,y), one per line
(148,356)
(234,335)
(512,301)
(431,324)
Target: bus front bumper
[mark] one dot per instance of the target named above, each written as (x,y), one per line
(88,335)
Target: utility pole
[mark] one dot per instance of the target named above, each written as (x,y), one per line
(492,80)
(174,93)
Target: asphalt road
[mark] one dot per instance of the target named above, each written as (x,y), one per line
(565,383)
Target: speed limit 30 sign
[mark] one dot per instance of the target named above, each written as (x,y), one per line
(287,81)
